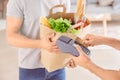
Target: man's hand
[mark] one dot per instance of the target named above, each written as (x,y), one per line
(92,40)
(48,44)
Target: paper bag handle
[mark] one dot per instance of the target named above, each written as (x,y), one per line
(56,6)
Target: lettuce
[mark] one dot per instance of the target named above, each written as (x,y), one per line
(60,25)
(74,31)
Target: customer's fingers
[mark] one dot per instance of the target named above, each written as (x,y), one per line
(87,37)
(79,49)
(87,42)
(71,64)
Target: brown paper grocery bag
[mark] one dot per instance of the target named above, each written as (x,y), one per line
(54,61)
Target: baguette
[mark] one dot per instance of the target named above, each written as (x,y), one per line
(80,10)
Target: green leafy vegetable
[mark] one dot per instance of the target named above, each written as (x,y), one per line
(74,31)
(60,25)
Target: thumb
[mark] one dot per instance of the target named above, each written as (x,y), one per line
(79,49)
(86,42)
(50,36)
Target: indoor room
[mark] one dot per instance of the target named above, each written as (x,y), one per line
(104,19)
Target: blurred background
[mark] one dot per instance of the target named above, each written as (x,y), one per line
(105,20)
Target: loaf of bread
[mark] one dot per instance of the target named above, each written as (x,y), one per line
(80,10)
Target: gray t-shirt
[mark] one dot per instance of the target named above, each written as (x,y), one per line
(30,11)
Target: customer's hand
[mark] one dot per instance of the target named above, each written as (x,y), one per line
(92,40)
(83,59)
(71,64)
(48,44)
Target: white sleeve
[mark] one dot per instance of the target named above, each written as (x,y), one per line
(14,9)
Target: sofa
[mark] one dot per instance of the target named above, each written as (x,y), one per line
(101,6)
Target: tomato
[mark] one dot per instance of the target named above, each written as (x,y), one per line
(77,28)
(79,21)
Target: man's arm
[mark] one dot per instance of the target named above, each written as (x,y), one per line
(16,39)
(84,61)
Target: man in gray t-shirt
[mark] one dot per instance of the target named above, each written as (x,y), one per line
(23,32)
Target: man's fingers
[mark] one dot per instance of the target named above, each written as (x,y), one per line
(54,47)
(53,44)
(54,50)
(51,35)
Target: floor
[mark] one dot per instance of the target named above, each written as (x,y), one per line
(8,60)
(103,56)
